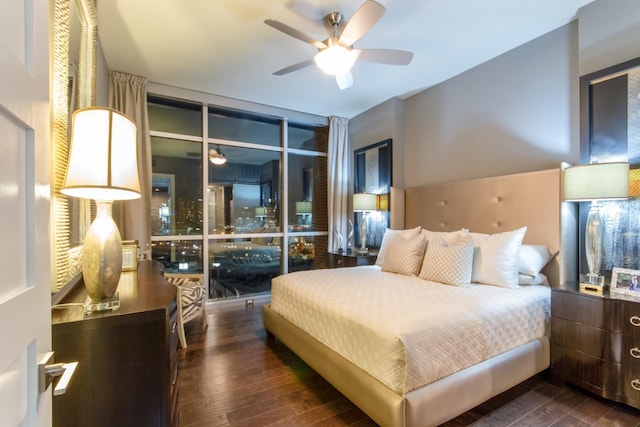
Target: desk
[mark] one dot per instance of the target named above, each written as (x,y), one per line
(127,370)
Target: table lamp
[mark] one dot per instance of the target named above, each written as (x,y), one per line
(364,202)
(102,166)
(594,182)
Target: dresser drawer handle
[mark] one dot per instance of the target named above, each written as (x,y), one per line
(173,327)
(636,384)
(635,320)
(635,352)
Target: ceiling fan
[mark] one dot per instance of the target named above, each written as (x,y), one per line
(336,54)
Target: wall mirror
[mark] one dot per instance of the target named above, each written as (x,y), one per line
(372,174)
(610,131)
(73,87)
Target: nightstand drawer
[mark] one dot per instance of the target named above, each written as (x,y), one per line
(586,371)
(590,310)
(592,341)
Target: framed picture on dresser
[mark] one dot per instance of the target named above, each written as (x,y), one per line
(625,281)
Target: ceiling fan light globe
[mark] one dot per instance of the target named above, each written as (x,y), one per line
(218,160)
(217,157)
(335,60)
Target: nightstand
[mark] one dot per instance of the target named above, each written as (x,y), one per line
(595,343)
(352,259)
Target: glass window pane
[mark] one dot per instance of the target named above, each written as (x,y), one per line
(178,256)
(307,252)
(241,267)
(175,117)
(244,192)
(307,193)
(176,204)
(314,138)
(243,127)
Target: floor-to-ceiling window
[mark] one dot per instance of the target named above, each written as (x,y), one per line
(224,183)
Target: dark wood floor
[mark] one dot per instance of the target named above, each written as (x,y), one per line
(229,376)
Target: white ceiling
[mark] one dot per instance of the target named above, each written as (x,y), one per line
(223,47)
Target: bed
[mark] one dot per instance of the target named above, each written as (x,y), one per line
(404,375)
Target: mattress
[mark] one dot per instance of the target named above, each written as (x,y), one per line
(404,331)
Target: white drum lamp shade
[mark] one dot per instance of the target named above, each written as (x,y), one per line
(364,202)
(103,166)
(594,182)
(303,208)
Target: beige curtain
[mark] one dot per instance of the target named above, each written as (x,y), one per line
(128,94)
(338,181)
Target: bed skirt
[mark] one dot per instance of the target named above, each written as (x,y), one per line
(430,405)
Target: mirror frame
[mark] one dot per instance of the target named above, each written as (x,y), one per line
(66,264)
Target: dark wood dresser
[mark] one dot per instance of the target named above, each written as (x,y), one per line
(351,259)
(595,343)
(127,373)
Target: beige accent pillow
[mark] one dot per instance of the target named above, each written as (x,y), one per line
(404,255)
(496,258)
(448,263)
(388,235)
(448,236)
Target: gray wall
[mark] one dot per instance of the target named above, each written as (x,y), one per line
(609,33)
(514,113)
(517,112)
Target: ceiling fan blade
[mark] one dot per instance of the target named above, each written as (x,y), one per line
(344,80)
(361,22)
(385,56)
(294,67)
(290,31)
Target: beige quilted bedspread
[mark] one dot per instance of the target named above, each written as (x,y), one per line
(405,331)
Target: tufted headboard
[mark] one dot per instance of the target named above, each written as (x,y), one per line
(493,205)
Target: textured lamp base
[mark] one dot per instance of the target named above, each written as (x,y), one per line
(592,279)
(106,304)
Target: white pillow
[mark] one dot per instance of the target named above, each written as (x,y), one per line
(450,264)
(388,234)
(496,258)
(540,279)
(404,255)
(533,258)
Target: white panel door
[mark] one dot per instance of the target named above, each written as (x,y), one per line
(25,313)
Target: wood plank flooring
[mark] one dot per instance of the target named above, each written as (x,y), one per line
(230,376)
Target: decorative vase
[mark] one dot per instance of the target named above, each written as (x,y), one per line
(338,239)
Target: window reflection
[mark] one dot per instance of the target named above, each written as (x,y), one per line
(243,127)
(302,252)
(225,218)
(243,193)
(305,137)
(243,266)
(174,117)
(176,204)
(178,256)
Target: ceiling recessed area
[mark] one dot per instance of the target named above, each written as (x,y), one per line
(225,48)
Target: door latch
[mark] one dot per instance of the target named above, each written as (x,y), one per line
(49,371)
